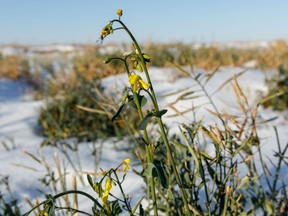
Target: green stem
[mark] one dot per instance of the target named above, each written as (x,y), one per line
(224,212)
(148,154)
(123,194)
(167,145)
(74,211)
(281,158)
(64,194)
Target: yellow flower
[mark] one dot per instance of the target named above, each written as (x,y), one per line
(119,12)
(108,187)
(134,80)
(137,82)
(126,164)
(105,197)
(106,31)
(143,84)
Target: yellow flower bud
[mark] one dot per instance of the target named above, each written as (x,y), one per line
(43,213)
(119,12)
(126,164)
(106,60)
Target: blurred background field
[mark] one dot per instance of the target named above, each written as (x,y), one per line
(54,70)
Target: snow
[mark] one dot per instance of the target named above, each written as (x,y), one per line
(19,135)
(47,50)
(53,48)
(7,51)
(168,80)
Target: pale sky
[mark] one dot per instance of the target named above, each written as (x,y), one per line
(81,21)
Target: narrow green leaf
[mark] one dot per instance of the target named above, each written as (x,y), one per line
(180,145)
(142,100)
(150,171)
(197,77)
(196,159)
(158,171)
(144,122)
(229,80)
(175,92)
(184,96)
(32,156)
(229,173)
(137,204)
(206,156)
(158,142)
(131,102)
(115,206)
(160,113)
(163,176)
(212,173)
(270,97)
(118,112)
(210,75)
(90,181)
(184,72)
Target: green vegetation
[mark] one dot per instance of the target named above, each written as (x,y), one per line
(13,67)
(183,175)
(62,117)
(278,89)
(206,56)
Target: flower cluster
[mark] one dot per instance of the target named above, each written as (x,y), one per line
(108,29)
(108,187)
(109,182)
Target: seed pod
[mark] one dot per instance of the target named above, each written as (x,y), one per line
(107,60)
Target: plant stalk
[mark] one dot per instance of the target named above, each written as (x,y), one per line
(159,120)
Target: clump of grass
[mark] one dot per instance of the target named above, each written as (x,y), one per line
(278,89)
(62,118)
(209,57)
(206,57)
(13,67)
(8,203)
(274,56)
(75,103)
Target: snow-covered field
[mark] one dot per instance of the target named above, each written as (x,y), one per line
(18,128)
